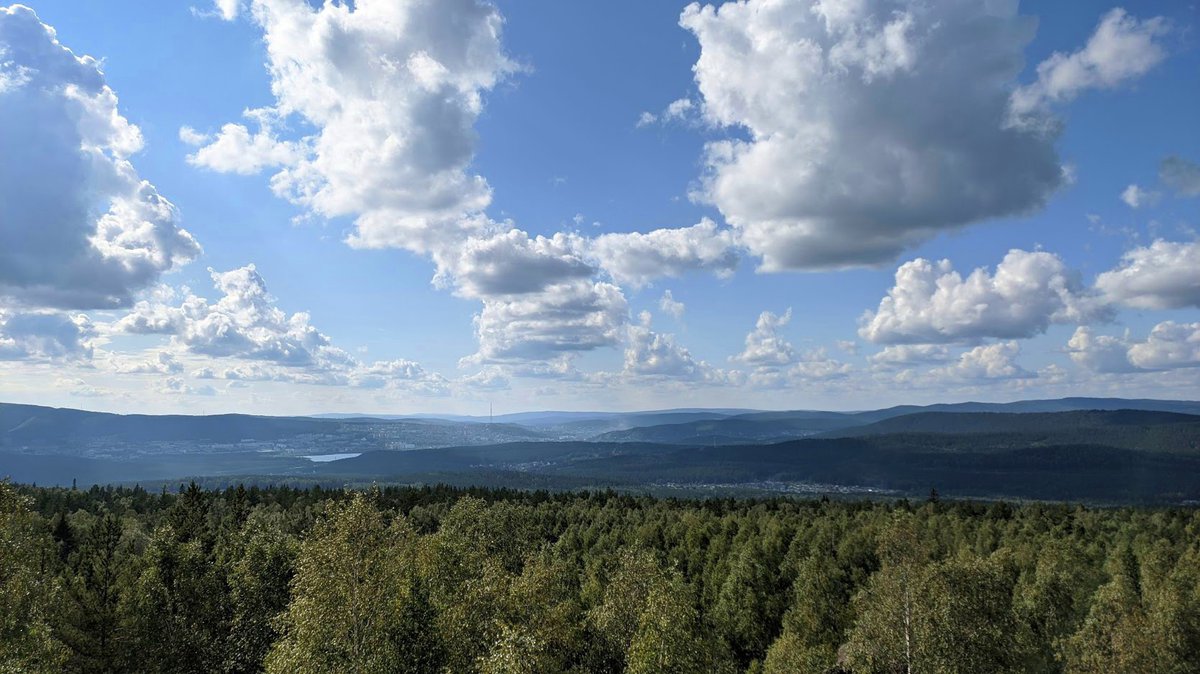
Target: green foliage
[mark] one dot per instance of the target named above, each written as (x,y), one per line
(27,593)
(441,580)
(354,596)
(91,623)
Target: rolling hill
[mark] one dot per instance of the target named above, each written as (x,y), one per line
(1105,454)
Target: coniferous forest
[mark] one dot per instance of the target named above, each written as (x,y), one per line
(437,579)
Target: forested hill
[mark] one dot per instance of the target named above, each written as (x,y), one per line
(1112,457)
(1096,456)
(46,430)
(777,426)
(1079,426)
(436,580)
(33,425)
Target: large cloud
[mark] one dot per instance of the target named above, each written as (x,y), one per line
(385,96)
(392,90)
(931,303)
(78,227)
(1163,275)
(869,125)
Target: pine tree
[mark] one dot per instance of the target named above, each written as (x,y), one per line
(93,626)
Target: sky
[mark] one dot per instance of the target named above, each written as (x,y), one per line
(423,206)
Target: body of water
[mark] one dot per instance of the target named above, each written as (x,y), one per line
(326,458)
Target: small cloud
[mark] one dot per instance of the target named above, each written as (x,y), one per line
(177,386)
(679,110)
(226,10)
(193,137)
(1136,197)
(669,305)
(80,388)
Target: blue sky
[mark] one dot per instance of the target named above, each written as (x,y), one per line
(392,198)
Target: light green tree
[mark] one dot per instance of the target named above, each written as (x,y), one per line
(936,618)
(815,625)
(259,580)
(356,606)
(647,623)
(27,591)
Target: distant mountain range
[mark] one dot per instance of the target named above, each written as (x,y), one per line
(1095,449)
(777,426)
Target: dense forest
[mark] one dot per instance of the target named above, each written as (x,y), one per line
(438,579)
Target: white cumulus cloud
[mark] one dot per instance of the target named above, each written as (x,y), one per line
(655,354)
(243,323)
(514,263)
(392,91)
(235,150)
(228,9)
(80,228)
(1099,353)
(1163,275)
(904,355)
(765,347)
(566,318)
(990,361)
(868,126)
(1121,49)
(931,303)
(671,306)
(1136,197)
(259,341)
(1169,345)
(679,110)
(637,258)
